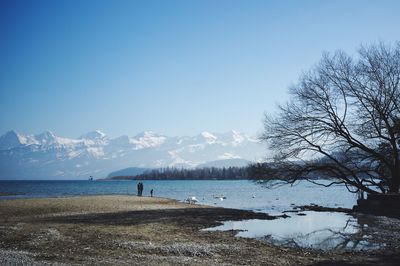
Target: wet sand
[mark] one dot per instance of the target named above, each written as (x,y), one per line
(129,230)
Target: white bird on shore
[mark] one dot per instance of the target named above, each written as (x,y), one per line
(221,198)
(191,200)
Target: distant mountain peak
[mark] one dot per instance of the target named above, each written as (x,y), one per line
(47,134)
(147,133)
(148,139)
(11,132)
(94,135)
(237,137)
(209,137)
(13,139)
(10,140)
(47,137)
(46,155)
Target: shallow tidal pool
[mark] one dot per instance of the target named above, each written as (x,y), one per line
(307,229)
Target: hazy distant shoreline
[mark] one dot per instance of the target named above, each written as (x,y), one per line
(3,194)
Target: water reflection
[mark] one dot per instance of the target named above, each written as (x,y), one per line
(315,230)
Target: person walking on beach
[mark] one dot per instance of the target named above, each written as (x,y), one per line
(151,193)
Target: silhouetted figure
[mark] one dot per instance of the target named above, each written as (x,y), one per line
(151,193)
(140,189)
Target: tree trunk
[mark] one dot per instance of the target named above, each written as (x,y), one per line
(395,181)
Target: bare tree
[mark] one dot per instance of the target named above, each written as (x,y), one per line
(343,121)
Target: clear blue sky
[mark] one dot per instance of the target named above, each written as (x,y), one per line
(174,67)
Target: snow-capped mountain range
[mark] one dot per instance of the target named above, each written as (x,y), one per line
(46,155)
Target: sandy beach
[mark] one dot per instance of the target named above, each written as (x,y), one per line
(130,230)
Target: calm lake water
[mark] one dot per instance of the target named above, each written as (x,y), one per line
(310,229)
(241,194)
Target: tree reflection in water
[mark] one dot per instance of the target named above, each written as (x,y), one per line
(352,236)
(314,230)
